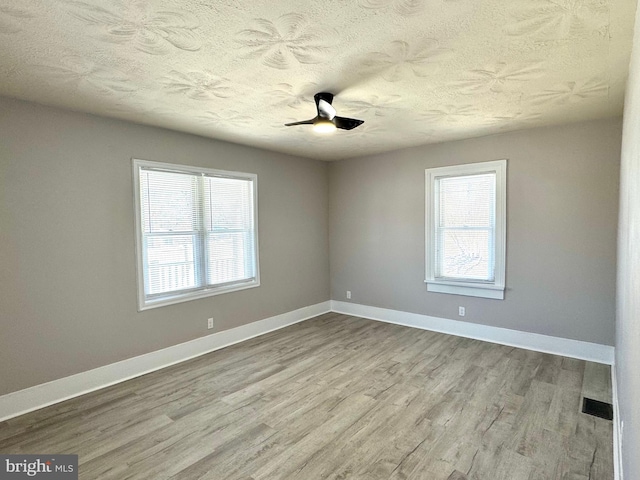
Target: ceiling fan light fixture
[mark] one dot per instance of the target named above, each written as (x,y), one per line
(327,121)
(324,126)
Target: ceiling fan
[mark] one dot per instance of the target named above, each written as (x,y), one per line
(326,121)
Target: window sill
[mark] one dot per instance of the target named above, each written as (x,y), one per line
(185,297)
(494,292)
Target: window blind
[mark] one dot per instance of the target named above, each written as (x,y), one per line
(198,231)
(465,227)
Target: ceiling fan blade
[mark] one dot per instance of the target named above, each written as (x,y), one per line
(303,122)
(327,97)
(326,110)
(347,123)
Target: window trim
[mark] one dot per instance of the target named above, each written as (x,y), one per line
(145,303)
(495,289)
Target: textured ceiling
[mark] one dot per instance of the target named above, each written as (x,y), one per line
(416,71)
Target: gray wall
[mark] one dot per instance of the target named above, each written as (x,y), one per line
(562,200)
(68,277)
(628,305)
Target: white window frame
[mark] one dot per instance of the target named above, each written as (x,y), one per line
(171,298)
(495,289)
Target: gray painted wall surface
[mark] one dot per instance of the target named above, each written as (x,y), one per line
(628,301)
(562,200)
(68,277)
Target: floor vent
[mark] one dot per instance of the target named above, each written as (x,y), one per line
(597,408)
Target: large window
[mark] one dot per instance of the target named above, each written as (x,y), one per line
(196,232)
(466,229)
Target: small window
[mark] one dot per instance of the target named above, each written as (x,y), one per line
(466,229)
(196,232)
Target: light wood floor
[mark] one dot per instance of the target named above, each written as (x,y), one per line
(342,398)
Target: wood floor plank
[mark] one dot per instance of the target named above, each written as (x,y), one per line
(338,397)
(597,382)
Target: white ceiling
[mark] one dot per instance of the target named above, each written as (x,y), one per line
(416,71)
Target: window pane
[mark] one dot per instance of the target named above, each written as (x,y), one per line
(230,203)
(171,263)
(466,254)
(169,201)
(230,257)
(467,201)
(229,220)
(465,229)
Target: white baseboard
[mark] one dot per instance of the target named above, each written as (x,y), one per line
(617,428)
(593,352)
(39,396)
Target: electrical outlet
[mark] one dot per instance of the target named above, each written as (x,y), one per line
(348,294)
(461,311)
(210,323)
